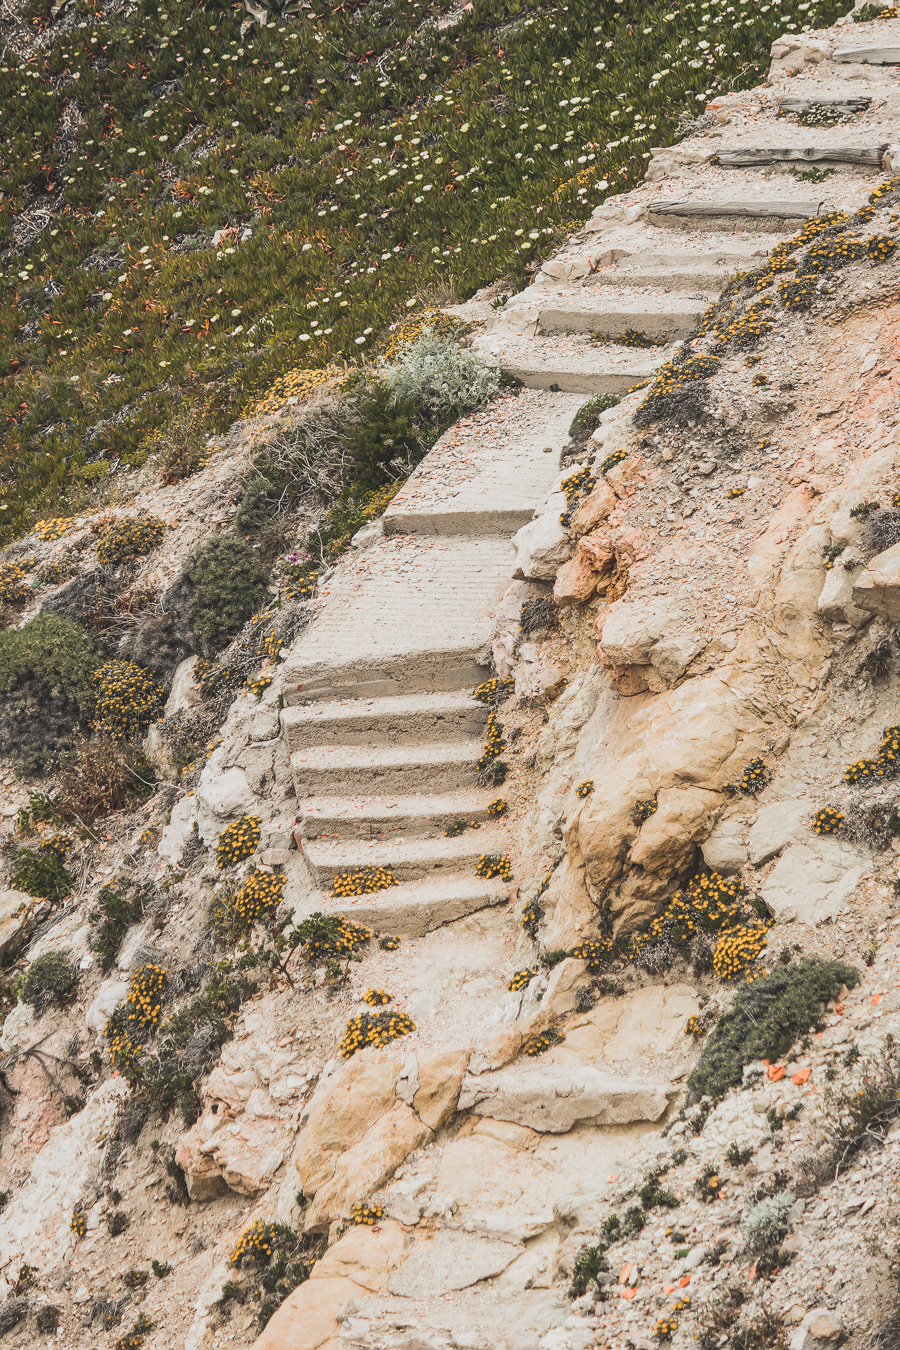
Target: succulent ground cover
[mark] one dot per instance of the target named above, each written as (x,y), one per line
(195,206)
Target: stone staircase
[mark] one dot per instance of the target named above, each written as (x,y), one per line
(381,726)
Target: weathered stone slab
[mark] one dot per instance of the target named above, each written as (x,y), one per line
(794,107)
(779,208)
(867,56)
(453,1261)
(868,156)
(554,1098)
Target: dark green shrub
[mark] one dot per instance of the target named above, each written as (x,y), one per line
(229,583)
(47,1319)
(765,1020)
(49,981)
(120,903)
(46,689)
(41,874)
(388,439)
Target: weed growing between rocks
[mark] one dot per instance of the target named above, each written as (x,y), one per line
(492,865)
(858,1116)
(131,537)
(494,691)
(49,981)
(104,776)
(766,1018)
(325,937)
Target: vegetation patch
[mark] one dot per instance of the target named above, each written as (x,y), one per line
(49,981)
(229,581)
(765,1020)
(238,840)
(131,537)
(46,689)
(377,1029)
(127,699)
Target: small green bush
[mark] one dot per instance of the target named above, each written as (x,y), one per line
(765,1020)
(41,874)
(130,537)
(587,419)
(387,439)
(46,689)
(229,582)
(48,981)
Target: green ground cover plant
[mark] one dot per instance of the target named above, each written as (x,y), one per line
(192,211)
(766,1018)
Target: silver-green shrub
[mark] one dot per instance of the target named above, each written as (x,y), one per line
(766,1225)
(444,378)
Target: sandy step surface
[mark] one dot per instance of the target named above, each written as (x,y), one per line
(453,715)
(393,817)
(488,474)
(411,614)
(409,858)
(332,769)
(570,363)
(415,908)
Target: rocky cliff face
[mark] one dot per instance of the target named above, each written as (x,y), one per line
(382,1013)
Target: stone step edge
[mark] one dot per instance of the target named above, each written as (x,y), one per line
(413,908)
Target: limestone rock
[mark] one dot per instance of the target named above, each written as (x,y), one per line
(221,799)
(176,834)
(595,508)
(104,1003)
(699,735)
(646,1021)
(724,849)
(877,589)
(452,1261)
(16,909)
(17,1030)
(790,54)
(820,1327)
(777,825)
(344,1107)
(671,657)
(836,601)
(630,631)
(671,159)
(367,1165)
(184,693)
(668,838)
(543,545)
(554,1098)
(812,882)
(361,1262)
(34,1225)
(575,582)
(439,1075)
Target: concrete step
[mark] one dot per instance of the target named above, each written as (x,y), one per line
(412,614)
(394,817)
(571,363)
(489,472)
(384,721)
(765,213)
(588,310)
(325,770)
(409,859)
(416,907)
